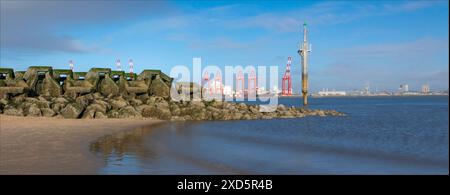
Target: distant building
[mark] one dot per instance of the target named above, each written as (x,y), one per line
(228,90)
(275,90)
(403,88)
(366,90)
(425,89)
(325,92)
(262,90)
(411,93)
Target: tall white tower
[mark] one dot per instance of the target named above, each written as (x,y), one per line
(118,65)
(425,89)
(305,48)
(131,64)
(71,65)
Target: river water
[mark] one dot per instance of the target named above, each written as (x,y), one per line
(379,135)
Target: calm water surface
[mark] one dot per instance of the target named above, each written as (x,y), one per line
(380,135)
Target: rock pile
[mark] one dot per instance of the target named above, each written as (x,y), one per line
(93,106)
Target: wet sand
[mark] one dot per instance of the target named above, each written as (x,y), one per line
(42,145)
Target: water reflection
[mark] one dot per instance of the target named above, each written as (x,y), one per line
(380,136)
(124,143)
(155,149)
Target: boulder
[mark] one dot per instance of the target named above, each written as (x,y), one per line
(10,110)
(18,99)
(56,107)
(60,100)
(236,116)
(175,110)
(177,118)
(159,88)
(118,103)
(242,106)
(246,117)
(151,101)
(334,113)
(100,115)
(140,108)
(30,100)
(83,100)
(187,117)
(216,104)
(135,102)
(113,114)
(97,95)
(72,110)
(266,117)
(43,98)
(104,105)
(199,114)
(88,114)
(58,116)
(43,104)
(268,108)
(281,107)
(299,115)
(320,113)
(107,86)
(253,109)
(286,114)
(33,110)
(3,103)
(50,88)
(157,112)
(144,97)
(213,113)
(96,106)
(229,106)
(226,115)
(162,105)
(129,112)
(47,112)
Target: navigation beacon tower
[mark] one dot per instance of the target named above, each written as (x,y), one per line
(303,52)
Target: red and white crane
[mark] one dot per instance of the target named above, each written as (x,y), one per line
(287,79)
(218,86)
(206,83)
(131,64)
(118,65)
(240,87)
(71,65)
(252,80)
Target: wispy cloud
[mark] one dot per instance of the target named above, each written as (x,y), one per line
(223,43)
(388,63)
(38,26)
(421,48)
(409,6)
(33,26)
(327,13)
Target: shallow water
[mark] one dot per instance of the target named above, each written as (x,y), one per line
(380,135)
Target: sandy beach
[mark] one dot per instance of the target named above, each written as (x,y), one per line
(30,145)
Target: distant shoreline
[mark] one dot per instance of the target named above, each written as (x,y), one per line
(343,96)
(42,145)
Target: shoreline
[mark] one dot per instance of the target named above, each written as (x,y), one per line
(42,145)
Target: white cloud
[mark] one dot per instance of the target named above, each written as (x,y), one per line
(423,47)
(39,26)
(326,13)
(386,64)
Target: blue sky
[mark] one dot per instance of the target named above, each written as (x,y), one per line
(384,43)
